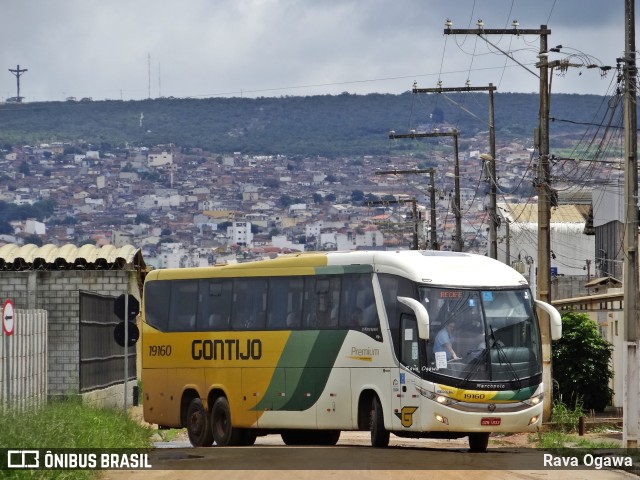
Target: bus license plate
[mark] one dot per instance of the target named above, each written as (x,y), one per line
(490,421)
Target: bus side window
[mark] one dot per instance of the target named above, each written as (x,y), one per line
(409,343)
(284,310)
(392,287)
(156,312)
(249,303)
(321,302)
(358,305)
(215,304)
(184,304)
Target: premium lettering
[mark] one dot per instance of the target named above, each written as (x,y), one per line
(229,349)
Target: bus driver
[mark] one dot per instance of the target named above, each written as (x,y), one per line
(444,341)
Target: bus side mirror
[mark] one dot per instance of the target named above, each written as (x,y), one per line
(554,319)
(422,316)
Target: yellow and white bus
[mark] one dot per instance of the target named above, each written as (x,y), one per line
(415,343)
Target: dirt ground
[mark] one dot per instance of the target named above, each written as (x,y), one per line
(447,453)
(597,430)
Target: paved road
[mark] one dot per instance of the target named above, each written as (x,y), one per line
(354,459)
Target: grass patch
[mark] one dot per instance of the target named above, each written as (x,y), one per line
(69,424)
(169,435)
(559,440)
(565,419)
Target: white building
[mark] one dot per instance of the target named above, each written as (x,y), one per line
(239,233)
(370,238)
(174,255)
(34,227)
(313,229)
(280,241)
(571,248)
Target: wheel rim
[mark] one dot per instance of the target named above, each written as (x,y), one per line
(196,423)
(220,423)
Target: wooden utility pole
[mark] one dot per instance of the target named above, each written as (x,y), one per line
(631,417)
(458,244)
(543,279)
(432,197)
(493,214)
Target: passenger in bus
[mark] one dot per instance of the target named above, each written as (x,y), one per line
(293,320)
(444,341)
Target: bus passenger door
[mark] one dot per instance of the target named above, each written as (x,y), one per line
(405,399)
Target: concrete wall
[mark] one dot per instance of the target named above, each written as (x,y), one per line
(57,292)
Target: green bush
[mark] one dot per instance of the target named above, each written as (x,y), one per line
(581,364)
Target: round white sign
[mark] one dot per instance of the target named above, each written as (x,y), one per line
(8,318)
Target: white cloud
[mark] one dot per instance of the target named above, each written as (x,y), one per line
(100,48)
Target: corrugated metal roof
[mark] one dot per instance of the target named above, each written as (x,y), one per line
(528,213)
(86,257)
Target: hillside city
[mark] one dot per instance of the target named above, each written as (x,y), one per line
(190,207)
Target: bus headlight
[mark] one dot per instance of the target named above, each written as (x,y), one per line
(535,400)
(438,398)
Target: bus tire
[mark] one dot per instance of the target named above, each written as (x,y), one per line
(295,437)
(198,427)
(326,437)
(478,442)
(247,437)
(379,435)
(223,432)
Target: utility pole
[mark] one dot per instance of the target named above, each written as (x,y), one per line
(432,198)
(493,214)
(18,72)
(458,244)
(543,280)
(415,243)
(631,418)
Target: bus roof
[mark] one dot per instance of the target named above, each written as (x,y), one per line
(422,266)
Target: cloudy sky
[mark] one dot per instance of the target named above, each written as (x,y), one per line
(136,49)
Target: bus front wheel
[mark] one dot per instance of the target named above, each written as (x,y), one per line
(223,433)
(379,435)
(198,427)
(478,442)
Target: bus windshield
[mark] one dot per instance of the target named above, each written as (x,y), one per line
(482,336)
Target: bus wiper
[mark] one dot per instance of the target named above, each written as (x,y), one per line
(502,356)
(474,365)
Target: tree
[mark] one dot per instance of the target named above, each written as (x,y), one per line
(357,196)
(271,183)
(24,168)
(33,239)
(142,218)
(581,364)
(285,201)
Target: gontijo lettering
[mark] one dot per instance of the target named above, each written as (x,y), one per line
(229,349)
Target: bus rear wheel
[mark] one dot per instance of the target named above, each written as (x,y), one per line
(198,427)
(223,432)
(379,435)
(310,437)
(478,442)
